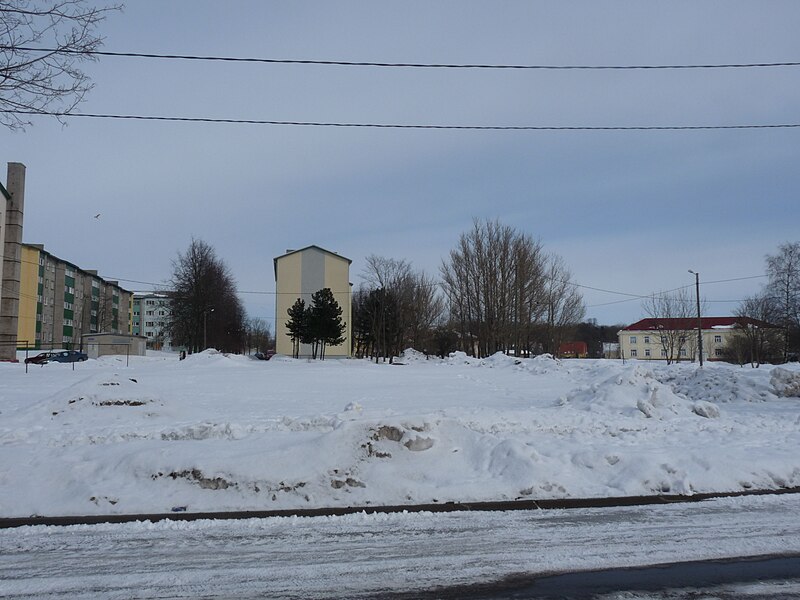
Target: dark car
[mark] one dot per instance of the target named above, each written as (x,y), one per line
(39,359)
(68,356)
(62,356)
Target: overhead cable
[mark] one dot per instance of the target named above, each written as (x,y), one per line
(412,65)
(402,126)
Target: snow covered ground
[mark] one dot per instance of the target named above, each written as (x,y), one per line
(412,555)
(217,432)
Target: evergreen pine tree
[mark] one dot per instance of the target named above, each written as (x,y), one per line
(325,325)
(297,325)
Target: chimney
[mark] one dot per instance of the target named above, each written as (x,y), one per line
(12,261)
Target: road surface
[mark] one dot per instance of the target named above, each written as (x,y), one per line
(405,555)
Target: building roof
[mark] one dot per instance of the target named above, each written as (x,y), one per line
(691,323)
(290,252)
(89,272)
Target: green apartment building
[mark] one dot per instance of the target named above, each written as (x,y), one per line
(60,302)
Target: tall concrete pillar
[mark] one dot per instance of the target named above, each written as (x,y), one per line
(12,261)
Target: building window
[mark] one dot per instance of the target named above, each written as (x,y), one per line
(663,353)
(633,339)
(717,339)
(633,352)
(683,351)
(717,351)
(647,352)
(647,339)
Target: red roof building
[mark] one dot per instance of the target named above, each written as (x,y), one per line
(676,339)
(691,323)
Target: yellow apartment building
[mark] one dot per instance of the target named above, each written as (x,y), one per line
(59,302)
(300,273)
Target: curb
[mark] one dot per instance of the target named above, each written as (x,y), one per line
(442,507)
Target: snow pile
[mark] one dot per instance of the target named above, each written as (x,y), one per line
(633,392)
(413,356)
(217,432)
(786,383)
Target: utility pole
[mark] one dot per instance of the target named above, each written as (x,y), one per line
(699,319)
(205,326)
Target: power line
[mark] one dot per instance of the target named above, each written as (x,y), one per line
(348,63)
(402,126)
(632,298)
(639,297)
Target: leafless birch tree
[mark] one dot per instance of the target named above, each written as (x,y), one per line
(783,269)
(506,294)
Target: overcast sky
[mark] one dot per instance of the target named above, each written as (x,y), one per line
(629,211)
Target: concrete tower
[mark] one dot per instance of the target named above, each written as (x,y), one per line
(11,236)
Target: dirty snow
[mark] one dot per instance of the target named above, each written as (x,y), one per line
(224,432)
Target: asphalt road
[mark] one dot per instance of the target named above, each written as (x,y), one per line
(462,554)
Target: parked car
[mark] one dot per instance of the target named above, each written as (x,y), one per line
(39,359)
(68,356)
(62,356)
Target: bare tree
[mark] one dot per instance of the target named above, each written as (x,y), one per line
(674,315)
(387,303)
(42,44)
(258,335)
(505,294)
(396,309)
(756,340)
(205,307)
(783,269)
(427,308)
(564,307)
(479,280)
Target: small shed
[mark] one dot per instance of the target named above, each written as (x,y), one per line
(573,350)
(104,344)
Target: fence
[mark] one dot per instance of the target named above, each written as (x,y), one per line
(32,350)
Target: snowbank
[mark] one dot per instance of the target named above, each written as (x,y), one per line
(221,432)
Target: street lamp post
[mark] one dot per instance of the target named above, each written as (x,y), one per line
(205,326)
(699,320)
